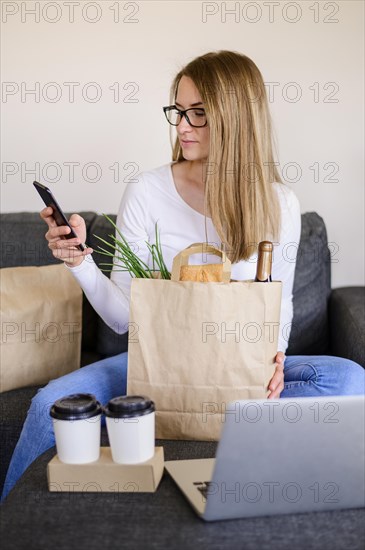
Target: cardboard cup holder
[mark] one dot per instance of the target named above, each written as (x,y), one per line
(105,475)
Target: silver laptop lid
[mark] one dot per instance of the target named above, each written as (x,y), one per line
(289,456)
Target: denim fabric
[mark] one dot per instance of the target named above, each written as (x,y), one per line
(304,376)
(311,376)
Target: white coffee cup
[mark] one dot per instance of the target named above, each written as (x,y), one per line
(130,421)
(77,424)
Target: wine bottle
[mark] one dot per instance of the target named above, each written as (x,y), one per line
(264,262)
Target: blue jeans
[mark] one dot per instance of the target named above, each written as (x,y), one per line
(304,376)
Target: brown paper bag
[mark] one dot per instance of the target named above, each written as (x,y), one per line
(195,347)
(41,321)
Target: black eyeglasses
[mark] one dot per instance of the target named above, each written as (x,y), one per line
(197,117)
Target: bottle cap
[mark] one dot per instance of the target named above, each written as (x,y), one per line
(265,246)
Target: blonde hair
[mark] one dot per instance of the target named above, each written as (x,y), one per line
(239,192)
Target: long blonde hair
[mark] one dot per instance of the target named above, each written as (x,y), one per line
(240,171)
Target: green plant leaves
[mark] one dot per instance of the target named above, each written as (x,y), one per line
(126,259)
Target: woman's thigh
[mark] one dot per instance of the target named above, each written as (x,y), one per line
(105,379)
(307,376)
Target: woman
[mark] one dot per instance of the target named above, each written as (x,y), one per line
(222,187)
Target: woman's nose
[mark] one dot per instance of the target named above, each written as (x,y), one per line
(183,125)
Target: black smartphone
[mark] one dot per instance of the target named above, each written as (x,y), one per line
(58,214)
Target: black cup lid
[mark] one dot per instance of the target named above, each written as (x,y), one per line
(77,406)
(129,406)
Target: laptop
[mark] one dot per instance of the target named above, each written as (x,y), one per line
(280,456)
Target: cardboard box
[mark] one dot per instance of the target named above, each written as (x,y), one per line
(104,475)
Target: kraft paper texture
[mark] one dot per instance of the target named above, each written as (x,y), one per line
(41,322)
(105,475)
(196,346)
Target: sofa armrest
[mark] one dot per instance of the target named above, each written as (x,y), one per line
(347,323)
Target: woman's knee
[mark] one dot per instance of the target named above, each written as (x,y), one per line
(353,377)
(346,375)
(332,375)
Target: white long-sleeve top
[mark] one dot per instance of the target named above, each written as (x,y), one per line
(153,198)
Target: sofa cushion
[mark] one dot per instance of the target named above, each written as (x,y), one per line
(312,287)
(14,406)
(23,242)
(108,342)
(347,328)
(164,519)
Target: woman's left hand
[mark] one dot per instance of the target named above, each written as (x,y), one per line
(276,384)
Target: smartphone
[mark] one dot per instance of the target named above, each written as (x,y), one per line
(58,214)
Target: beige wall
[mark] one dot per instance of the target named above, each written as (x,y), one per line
(311,57)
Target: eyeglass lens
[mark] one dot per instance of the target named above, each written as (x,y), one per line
(196,117)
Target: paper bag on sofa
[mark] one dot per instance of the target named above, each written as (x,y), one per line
(41,322)
(194,347)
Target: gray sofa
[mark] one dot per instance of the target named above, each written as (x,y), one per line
(325,321)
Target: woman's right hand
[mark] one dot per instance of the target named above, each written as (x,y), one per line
(66,249)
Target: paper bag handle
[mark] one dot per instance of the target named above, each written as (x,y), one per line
(182,258)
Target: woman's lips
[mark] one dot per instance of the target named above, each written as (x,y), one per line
(187,143)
